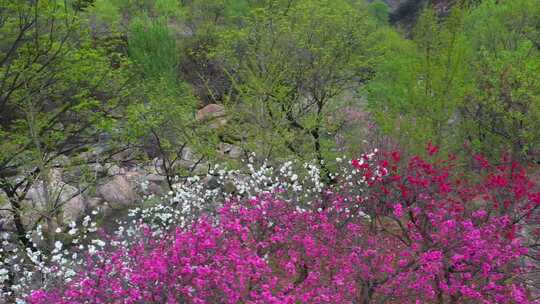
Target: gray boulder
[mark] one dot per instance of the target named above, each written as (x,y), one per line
(118,192)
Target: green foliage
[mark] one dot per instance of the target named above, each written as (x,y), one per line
(380,11)
(122,12)
(163,121)
(209,13)
(58,88)
(291,69)
(503,112)
(167,7)
(162,110)
(153,48)
(81,5)
(238,8)
(165,114)
(106,12)
(59,92)
(163,124)
(471,78)
(420,84)
(289,72)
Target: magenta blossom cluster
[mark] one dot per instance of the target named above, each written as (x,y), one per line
(417,234)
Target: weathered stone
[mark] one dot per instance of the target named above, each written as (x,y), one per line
(149,169)
(97,168)
(212,183)
(236,152)
(118,192)
(58,191)
(73,175)
(5,215)
(156,178)
(114,170)
(157,188)
(35,196)
(214,114)
(94,202)
(61,161)
(73,209)
(229,150)
(71,203)
(201,169)
(157,163)
(133,175)
(124,155)
(188,154)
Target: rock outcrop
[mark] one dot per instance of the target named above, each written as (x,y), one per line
(118,192)
(213,114)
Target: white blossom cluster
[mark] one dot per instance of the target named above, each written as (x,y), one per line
(58,255)
(291,181)
(52,257)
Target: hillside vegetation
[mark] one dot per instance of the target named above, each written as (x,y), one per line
(250,131)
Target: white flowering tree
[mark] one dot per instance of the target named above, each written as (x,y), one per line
(21,271)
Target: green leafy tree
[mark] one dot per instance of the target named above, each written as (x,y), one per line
(470,78)
(203,21)
(153,48)
(290,70)
(58,93)
(163,121)
(380,11)
(420,83)
(502,113)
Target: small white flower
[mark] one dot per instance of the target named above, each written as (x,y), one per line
(58,245)
(100,243)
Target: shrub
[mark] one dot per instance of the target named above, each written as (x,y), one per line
(414,232)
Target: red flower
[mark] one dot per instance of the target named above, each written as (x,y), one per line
(431,149)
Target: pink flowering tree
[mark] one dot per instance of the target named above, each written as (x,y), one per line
(460,240)
(402,232)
